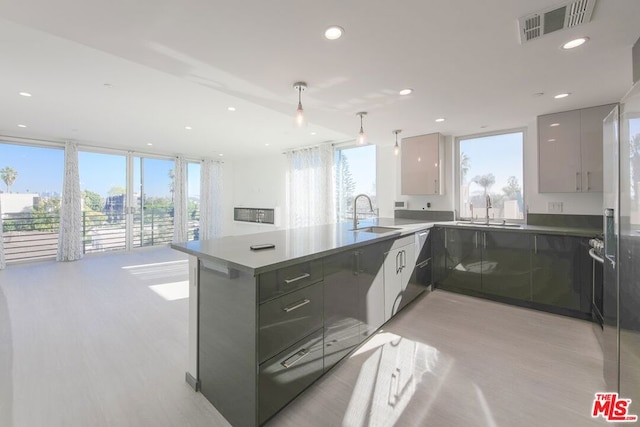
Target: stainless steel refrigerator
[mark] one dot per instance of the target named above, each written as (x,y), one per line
(621,307)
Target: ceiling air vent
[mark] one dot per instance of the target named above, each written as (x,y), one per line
(568,15)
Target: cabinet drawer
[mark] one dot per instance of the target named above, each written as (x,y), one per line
(282,281)
(284,376)
(285,320)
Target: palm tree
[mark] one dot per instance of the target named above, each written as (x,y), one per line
(485,181)
(465,164)
(8,175)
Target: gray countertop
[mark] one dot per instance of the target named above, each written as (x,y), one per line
(563,231)
(294,245)
(308,243)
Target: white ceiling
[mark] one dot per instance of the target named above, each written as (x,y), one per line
(173,64)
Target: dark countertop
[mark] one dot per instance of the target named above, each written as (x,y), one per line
(294,245)
(537,229)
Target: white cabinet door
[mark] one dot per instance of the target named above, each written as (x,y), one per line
(559,169)
(420,165)
(399,263)
(591,146)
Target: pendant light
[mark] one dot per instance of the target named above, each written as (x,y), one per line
(362,138)
(396,148)
(300,120)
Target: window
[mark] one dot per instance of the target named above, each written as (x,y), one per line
(31,184)
(355,174)
(491,169)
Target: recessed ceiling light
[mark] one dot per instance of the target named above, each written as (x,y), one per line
(440,120)
(220,154)
(266,145)
(313,133)
(551,140)
(575,43)
(231,108)
(406,91)
(334,32)
(149,144)
(27,94)
(552,125)
(561,95)
(22,126)
(188,127)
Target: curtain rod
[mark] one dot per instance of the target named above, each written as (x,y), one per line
(332,143)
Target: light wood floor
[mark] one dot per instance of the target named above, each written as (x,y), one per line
(94,343)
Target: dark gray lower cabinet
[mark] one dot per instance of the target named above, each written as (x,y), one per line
(561,276)
(505,264)
(550,272)
(462,260)
(284,376)
(353,299)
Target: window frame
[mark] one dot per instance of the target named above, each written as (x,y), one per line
(457,183)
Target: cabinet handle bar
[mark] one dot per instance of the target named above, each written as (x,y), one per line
(296,305)
(295,279)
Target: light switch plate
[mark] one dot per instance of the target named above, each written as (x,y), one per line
(554,207)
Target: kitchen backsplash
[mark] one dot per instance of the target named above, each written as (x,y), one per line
(426,215)
(555,220)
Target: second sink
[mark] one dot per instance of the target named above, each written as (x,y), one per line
(376,229)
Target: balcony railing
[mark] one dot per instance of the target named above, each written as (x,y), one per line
(35,236)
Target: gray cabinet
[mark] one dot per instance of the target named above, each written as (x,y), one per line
(353,299)
(570,150)
(422,165)
(505,264)
(462,260)
(548,272)
(561,272)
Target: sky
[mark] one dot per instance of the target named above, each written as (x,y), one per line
(361,160)
(483,159)
(40,170)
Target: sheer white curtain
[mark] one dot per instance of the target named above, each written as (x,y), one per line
(3,264)
(311,186)
(210,199)
(70,237)
(180,201)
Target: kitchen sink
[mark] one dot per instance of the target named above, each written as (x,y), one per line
(376,229)
(490,224)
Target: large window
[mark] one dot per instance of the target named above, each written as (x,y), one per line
(30,187)
(491,173)
(355,174)
(193,200)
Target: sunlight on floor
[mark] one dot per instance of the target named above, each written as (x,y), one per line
(172,291)
(158,270)
(389,378)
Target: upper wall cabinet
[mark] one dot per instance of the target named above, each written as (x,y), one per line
(421,166)
(570,150)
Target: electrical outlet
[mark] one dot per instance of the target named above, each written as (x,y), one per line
(554,207)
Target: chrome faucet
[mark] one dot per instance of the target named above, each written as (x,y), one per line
(355,208)
(488,203)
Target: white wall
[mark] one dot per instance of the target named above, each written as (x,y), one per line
(257,182)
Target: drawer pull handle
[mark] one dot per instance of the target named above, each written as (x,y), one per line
(287,363)
(424,263)
(296,305)
(295,279)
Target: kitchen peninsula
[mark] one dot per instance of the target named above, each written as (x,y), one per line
(265,324)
